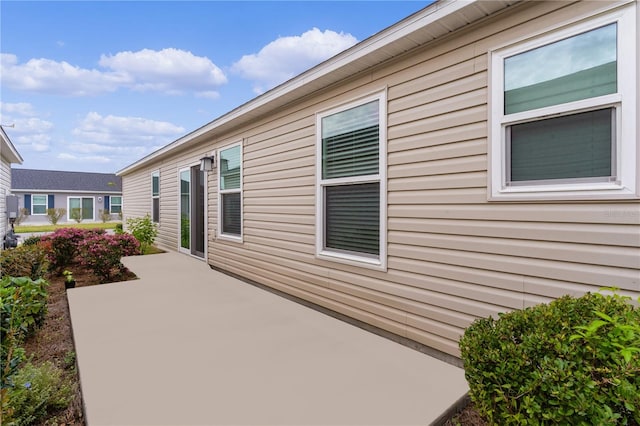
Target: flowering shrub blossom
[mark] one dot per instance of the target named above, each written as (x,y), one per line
(64,245)
(102,253)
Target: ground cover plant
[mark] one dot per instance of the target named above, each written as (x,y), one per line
(40,383)
(574,361)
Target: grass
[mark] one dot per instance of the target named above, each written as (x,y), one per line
(51,228)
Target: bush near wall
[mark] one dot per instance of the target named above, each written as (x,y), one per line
(27,260)
(574,361)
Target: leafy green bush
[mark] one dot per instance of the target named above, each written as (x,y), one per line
(105,215)
(54,215)
(23,305)
(36,391)
(118,229)
(24,261)
(526,368)
(32,240)
(144,230)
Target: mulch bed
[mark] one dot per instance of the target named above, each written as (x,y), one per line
(54,340)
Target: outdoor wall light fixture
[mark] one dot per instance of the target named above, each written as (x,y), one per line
(207,163)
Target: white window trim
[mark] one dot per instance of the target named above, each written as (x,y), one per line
(379,263)
(46,204)
(69,218)
(625,100)
(153,197)
(111,203)
(220,234)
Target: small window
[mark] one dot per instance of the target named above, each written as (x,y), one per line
(155,196)
(38,204)
(116,204)
(230,192)
(351,182)
(560,125)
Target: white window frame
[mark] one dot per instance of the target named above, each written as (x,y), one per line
(372,262)
(153,197)
(111,204)
(626,162)
(46,204)
(221,192)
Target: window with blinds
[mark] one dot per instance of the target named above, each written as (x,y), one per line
(155,196)
(349,185)
(562,116)
(230,191)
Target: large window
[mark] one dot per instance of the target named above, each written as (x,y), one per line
(155,196)
(230,192)
(38,204)
(351,196)
(563,108)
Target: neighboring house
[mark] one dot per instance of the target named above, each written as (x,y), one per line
(8,155)
(84,196)
(474,158)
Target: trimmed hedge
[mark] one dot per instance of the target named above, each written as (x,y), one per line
(574,361)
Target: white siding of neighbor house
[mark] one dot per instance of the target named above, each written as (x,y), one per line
(453,256)
(5,185)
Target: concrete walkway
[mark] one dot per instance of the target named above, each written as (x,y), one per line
(186,345)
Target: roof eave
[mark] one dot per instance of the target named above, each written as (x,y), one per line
(8,150)
(431,23)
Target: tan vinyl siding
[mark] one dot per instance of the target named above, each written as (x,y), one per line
(452,255)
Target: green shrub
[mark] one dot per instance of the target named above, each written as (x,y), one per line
(23,305)
(526,368)
(76,214)
(118,229)
(32,240)
(144,230)
(105,215)
(54,215)
(36,391)
(24,261)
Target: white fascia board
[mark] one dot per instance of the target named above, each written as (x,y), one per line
(8,150)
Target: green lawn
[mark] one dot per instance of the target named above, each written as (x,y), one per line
(51,228)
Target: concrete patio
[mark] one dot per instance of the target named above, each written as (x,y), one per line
(186,345)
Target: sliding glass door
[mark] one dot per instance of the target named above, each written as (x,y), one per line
(192,211)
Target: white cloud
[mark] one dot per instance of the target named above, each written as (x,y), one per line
(116,139)
(20,108)
(48,76)
(167,70)
(115,130)
(286,57)
(29,133)
(170,71)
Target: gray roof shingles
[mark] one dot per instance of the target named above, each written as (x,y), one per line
(50,180)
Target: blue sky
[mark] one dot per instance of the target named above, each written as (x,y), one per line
(94,86)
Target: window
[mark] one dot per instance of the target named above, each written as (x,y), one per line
(38,204)
(80,208)
(561,127)
(155,196)
(116,204)
(351,189)
(230,192)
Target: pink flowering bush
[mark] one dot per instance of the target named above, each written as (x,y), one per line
(64,244)
(102,254)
